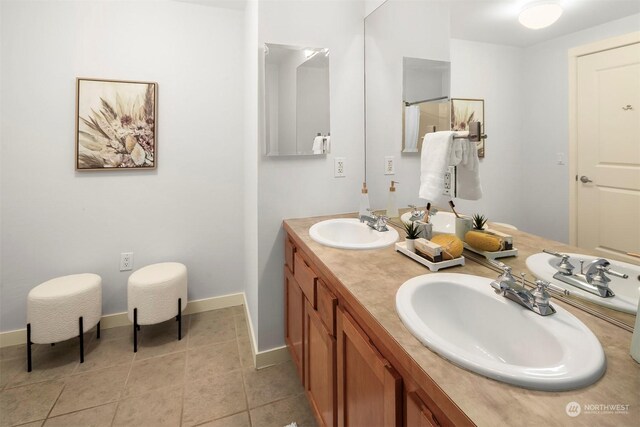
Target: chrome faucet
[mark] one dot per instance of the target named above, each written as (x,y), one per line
(416,214)
(377,222)
(593,280)
(536,301)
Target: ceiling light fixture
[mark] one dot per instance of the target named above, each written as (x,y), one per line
(539,15)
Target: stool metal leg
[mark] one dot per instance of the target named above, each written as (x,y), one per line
(81,339)
(98,331)
(28,347)
(179,319)
(135,330)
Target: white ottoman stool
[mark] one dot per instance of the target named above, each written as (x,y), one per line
(157,293)
(63,308)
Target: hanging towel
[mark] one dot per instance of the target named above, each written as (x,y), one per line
(317,145)
(468,171)
(434,162)
(411,128)
(439,151)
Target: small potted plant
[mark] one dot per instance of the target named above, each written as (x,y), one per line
(479,221)
(413,232)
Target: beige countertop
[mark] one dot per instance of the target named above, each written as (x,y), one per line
(373,277)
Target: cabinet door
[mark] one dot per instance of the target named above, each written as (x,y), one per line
(294,308)
(320,362)
(368,386)
(418,415)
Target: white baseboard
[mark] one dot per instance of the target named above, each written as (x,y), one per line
(262,359)
(19,336)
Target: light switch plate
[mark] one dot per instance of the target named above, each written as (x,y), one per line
(126,261)
(339,167)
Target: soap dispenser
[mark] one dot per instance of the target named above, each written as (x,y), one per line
(392,206)
(364,201)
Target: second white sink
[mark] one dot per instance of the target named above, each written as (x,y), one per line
(462,319)
(350,233)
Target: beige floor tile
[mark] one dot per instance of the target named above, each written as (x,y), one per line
(246,355)
(212,329)
(38,423)
(118,332)
(271,384)
(104,354)
(237,420)
(49,363)
(91,389)
(293,409)
(9,368)
(213,397)
(242,330)
(155,408)
(160,339)
(211,360)
(14,352)
(156,373)
(215,314)
(28,403)
(99,416)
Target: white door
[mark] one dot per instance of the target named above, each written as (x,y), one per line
(608,139)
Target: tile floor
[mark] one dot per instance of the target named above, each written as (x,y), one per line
(205,379)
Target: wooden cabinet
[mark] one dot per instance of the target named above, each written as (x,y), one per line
(294,317)
(369,389)
(418,415)
(320,362)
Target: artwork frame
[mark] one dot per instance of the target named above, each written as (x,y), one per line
(465,110)
(116,125)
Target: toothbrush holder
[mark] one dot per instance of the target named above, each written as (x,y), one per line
(463,225)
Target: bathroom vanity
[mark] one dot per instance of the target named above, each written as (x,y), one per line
(361,366)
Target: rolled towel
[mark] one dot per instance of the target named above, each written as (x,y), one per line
(317,145)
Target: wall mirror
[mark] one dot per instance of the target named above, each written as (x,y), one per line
(537,174)
(425,100)
(297,115)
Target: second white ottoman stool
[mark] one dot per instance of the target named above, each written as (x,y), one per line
(157,293)
(63,308)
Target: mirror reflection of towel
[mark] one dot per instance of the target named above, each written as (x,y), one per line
(411,128)
(317,145)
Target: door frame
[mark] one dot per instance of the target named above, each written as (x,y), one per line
(574,54)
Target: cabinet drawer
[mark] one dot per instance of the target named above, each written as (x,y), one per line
(289,250)
(327,303)
(305,277)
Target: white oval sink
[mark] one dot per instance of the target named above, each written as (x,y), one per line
(443,222)
(626,296)
(350,233)
(462,319)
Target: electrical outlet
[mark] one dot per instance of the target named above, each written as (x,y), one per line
(339,164)
(389,165)
(450,182)
(126,261)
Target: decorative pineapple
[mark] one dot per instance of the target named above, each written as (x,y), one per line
(479,221)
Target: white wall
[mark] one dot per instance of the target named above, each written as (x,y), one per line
(56,221)
(493,72)
(545,194)
(312,103)
(305,186)
(397,29)
(250,163)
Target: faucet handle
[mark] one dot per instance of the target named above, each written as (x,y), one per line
(501,265)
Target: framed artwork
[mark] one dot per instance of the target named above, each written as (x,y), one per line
(465,111)
(115,125)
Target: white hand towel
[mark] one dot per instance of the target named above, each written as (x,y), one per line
(439,151)
(434,162)
(468,171)
(411,128)
(317,145)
